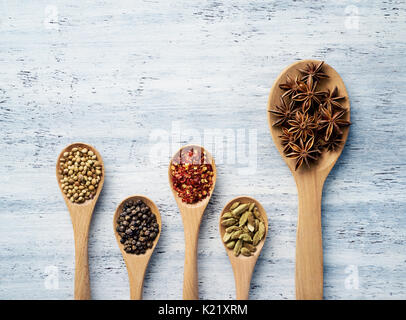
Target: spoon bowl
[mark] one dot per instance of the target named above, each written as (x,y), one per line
(191,217)
(327,160)
(81,216)
(309,182)
(137,264)
(243,266)
(176,157)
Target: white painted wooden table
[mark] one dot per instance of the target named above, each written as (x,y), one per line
(122,75)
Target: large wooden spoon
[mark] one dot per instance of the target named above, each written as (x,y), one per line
(309,182)
(137,264)
(191,216)
(243,266)
(81,215)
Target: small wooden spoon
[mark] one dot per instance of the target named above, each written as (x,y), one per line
(243,266)
(137,264)
(81,215)
(309,182)
(191,216)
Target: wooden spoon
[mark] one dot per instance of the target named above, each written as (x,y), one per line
(309,182)
(191,216)
(243,266)
(81,215)
(137,264)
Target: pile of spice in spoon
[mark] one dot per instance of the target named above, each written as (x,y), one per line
(192,174)
(244,228)
(80,173)
(137,227)
(311,120)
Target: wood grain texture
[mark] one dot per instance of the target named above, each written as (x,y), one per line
(309,182)
(243,267)
(137,264)
(192,215)
(81,216)
(114,72)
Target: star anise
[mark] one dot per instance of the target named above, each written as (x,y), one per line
(319,144)
(302,125)
(283,113)
(308,95)
(333,143)
(331,100)
(291,86)
(314,71)
(333,122)
(317,118)
(310,117)
(287,139)
(303,152)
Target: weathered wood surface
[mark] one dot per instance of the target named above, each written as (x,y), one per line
(114,73)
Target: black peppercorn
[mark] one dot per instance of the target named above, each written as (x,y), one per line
(137,227)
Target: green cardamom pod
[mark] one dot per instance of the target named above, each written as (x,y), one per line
(229,222)
(245,252)
(236,234)
(227,215)
(261,228)
(240,209)
(232,228)
(234,205)
(257,238)
(251,221)
(252,205)
(243,219)
(256,225)
(237,248)
(256,213)
(230,245)
(251,227)
(250,247)
(245,237)
(226,237)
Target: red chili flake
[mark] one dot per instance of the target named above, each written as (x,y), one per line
(192,174)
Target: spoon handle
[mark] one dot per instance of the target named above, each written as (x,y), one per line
(82,279)
(309,248)
(136,274)
(242,276)
(190,275)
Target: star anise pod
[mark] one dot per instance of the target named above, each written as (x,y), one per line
(317,118)
(283,113)
(319,144)
(331,100)
(291,86)
(287,139)
(314,71)
(333,122)
(302,125)
(303,152)
(309,95)
(333,143)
